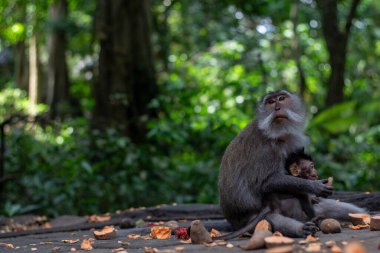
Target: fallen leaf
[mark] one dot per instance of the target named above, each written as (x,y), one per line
(179,248)
(330,243)
(221,242)
(73,249)
(210,244)
(150,250)
(96,218)
(33,249)
(124,243)
(118,250)
(313,247)
(358,227)
(70,241)
(86,244)
(134,236)
(308,239)
(7,245)
(186,241)
(214,233)
(354,247)
(161,233)
(336,249)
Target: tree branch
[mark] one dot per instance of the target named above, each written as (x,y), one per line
(351,16)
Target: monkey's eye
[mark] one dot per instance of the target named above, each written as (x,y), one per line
(281,98)
(271,101)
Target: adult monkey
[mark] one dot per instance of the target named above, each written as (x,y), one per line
(253,167)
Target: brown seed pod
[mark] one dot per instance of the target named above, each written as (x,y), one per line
(330,226)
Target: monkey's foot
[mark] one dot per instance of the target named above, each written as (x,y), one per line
(310,228)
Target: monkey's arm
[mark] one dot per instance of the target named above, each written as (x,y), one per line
(295,185)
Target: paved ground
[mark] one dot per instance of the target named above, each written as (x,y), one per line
(78,228)
(52,242)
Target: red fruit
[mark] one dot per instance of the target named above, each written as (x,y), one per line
(181,233)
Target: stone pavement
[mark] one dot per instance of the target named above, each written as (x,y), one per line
(53,242)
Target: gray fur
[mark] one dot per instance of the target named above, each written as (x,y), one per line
(253,167)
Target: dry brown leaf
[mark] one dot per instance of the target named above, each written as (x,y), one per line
(221,242)
(134,236)
(313,247)
(124,243)
(330,244)
(186,241)
(107,233)
(150,250)
(118,250)
(308,239)
(214,233)
(73,249)
(336,249)
(161,233)
(275,241)
(33,249)
(281,249)
(358,227)
(210,244)
(43,243)
(86,244)
(70,241)
(179,248)
(96,218)
(354,247)
(7,245)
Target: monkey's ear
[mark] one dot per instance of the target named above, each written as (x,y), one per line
(294,170)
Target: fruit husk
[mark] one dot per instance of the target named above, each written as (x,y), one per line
(275,241)
(107,233)
(257,241)
(375,223)
(359,218)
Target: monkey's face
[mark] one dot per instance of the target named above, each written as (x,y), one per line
(307,169)
(281,113)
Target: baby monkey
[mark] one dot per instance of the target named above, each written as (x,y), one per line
(301,165)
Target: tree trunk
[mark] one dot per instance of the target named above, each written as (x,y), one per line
(21,72)
(33,74)
(126,80)
(57,96)
(336,41)
(297,50)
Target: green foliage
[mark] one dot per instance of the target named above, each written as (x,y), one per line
(215,67)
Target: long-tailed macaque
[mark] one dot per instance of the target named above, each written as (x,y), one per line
(253,167)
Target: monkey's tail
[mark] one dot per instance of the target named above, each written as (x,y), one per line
(249,227)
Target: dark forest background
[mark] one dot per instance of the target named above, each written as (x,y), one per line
(106,105)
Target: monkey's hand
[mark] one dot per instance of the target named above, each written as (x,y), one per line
(314,200)
(321,189)
(310,228)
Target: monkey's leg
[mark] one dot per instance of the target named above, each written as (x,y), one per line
(291,227)
(331,208)
(307,207)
